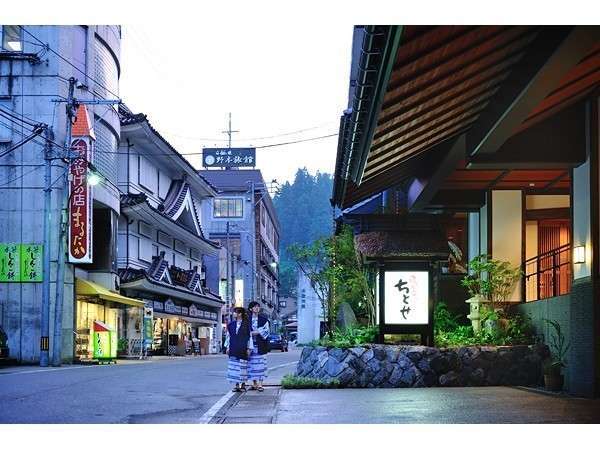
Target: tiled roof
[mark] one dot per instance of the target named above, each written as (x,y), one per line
(137,199)
(413,243)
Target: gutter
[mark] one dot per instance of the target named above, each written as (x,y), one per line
(377,56)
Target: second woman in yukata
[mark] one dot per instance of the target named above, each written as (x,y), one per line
(239,345)
(259,326)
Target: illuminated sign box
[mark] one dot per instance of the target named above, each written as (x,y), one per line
(406,297)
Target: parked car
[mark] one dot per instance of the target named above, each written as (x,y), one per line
(278,342)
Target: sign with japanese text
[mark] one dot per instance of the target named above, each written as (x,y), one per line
(80,204)
(21,263)
(229,157)
(10,263)
(32,263)
(406,298)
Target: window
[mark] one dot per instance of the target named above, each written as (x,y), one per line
(282,304)
(11,38)
(228,207)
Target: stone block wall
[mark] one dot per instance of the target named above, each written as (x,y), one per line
(418,366)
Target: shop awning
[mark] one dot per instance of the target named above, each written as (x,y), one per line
(88,288)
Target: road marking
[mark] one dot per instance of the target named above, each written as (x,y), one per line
(270,369)
(44,370)
(212,412)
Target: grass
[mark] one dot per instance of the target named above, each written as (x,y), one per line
(296,382)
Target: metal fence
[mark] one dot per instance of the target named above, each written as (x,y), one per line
(548,274)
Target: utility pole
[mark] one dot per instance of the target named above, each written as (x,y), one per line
(71,110)
(45,325)
(229,131)
(227,290)
(253,241)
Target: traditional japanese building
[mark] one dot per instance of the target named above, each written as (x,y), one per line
(493,129)
(162,245)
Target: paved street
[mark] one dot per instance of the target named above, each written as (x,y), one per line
(175,390)
(482,405)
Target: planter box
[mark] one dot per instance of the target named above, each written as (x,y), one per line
(418,366)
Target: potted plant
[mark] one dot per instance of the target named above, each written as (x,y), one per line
(122,347)
(553,377)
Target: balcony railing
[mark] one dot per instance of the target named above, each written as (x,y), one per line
(548,274)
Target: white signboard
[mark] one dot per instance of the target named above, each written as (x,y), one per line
(239,292)
(406,298)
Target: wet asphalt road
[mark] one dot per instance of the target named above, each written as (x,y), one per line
(176,390)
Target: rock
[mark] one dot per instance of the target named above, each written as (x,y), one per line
(477,377)
(334,368)
(347,376)
(404,362)
(357,364)
(396,377)
(392,354)
(375,365)
(358,351)
(409,376)
(338,354)
(439,364)
(345,317)
(367,356)
(423,366)
(450,379)
(322,359)
(379,353)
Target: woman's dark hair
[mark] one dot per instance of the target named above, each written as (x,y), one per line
(252,305)
(242,311)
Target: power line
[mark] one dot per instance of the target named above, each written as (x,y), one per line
(47,46)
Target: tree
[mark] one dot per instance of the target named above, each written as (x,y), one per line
(304,213)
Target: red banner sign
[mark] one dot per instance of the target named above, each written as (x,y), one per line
(80,205)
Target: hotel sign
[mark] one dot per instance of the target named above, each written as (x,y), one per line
(229,157)
(80,204)
(406,298)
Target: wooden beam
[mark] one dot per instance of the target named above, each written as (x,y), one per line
(421,191)
(554,51)
(556,143)
(466,200)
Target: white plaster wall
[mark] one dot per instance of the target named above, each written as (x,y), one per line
(483,230)
(531,250)
(507,230)
(547,201)
(581,217)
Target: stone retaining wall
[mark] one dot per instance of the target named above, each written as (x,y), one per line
(418,366)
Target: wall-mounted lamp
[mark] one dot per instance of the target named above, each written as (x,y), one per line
(579,254)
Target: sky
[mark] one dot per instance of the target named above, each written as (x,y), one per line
(274,78)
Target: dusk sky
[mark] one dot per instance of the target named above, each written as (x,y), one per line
(276,79)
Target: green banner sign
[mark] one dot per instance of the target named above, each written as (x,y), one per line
(10,265)
(31,263)
(21,263)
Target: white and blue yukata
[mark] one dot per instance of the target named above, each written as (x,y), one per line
(237,368)
(257,364)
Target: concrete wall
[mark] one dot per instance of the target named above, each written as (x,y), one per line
(507,231)
(22,173)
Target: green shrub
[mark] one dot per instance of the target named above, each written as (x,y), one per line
(511,329)
(350,337)
(296,382)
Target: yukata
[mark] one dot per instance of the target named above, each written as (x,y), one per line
(238,341)
(257,365)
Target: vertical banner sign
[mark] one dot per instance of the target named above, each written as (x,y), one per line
(31,263)
(80,205)
(10,265)
(148,329)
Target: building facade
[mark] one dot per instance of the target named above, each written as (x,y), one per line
(310,311)
(162,245)
(242,218)
(36,63)
(497,128)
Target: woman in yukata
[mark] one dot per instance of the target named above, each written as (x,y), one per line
(239,345)
(259,330)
